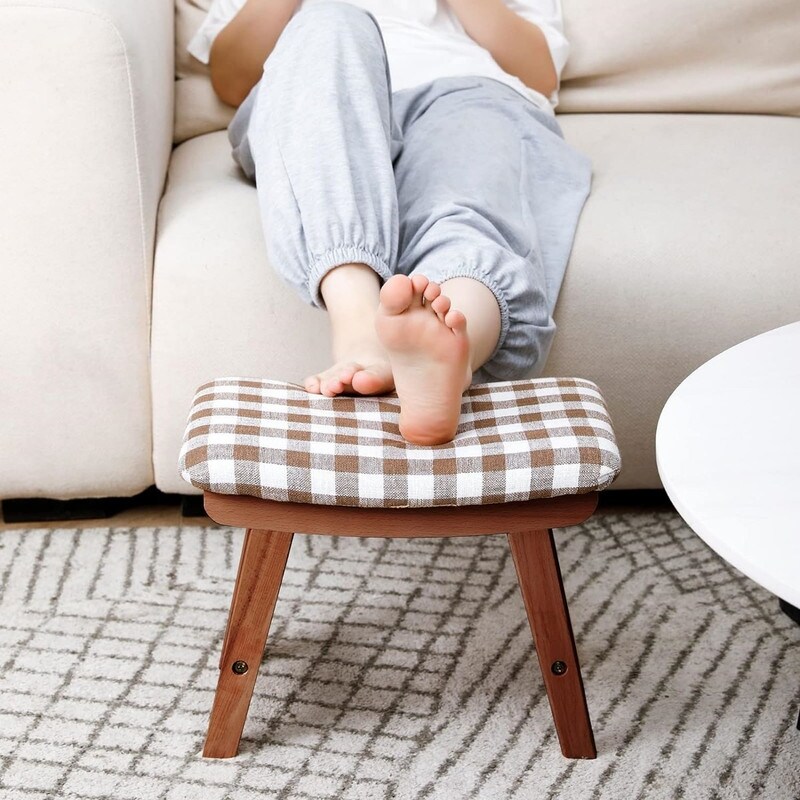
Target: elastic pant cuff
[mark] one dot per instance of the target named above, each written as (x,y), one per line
(335,257)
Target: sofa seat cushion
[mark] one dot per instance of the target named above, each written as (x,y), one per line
(516,440)
(687,244)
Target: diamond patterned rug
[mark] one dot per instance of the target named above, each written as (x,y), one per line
(395,669)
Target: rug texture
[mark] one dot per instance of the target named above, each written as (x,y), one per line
(395,669)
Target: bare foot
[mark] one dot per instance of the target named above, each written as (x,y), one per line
(429,353)
(365,370)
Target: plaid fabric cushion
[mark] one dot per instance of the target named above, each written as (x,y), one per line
(516,440)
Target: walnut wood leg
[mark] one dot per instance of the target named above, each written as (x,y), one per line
(536,560)
(261,568)
(224,652)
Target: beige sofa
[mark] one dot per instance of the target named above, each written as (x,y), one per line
(133,266)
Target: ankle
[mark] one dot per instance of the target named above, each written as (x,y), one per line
(351,293)
(350,290)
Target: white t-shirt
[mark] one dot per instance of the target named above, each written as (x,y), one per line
(425,40)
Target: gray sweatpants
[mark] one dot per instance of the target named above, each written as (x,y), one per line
(461,176)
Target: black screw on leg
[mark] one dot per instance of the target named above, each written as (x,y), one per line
(239,667)
(558,668)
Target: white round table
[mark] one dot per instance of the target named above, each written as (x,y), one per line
(728,453)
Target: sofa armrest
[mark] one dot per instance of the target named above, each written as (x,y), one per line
(89,82)
(87,99)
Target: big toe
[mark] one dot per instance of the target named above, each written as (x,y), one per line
(397,294)
(373,380)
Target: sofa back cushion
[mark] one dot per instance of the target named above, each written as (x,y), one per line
(730,56)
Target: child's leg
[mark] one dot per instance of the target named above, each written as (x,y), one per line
(351,294)
(319,133)
(489,196)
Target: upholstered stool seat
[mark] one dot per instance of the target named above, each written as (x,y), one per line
(528,456)
(517,440)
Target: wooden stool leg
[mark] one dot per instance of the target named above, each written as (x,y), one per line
(536,560)
(261,568)
(224,652)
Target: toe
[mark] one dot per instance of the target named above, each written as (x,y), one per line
(331,387)
(311,384)
(432,291)
(345,374)
(420,283)
(372,381)
(396,294)
(456,321)
(338,379)
(441,305)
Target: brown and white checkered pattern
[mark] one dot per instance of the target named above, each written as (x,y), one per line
(516,440)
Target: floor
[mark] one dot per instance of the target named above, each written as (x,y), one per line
(420,683)
(154,508)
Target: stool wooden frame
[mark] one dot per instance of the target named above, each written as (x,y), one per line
(270,526)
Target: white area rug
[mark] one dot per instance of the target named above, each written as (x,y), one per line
(394,669)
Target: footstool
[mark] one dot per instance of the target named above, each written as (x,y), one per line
(528,456)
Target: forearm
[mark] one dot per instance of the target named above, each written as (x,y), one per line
(519,47)
(242,46)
